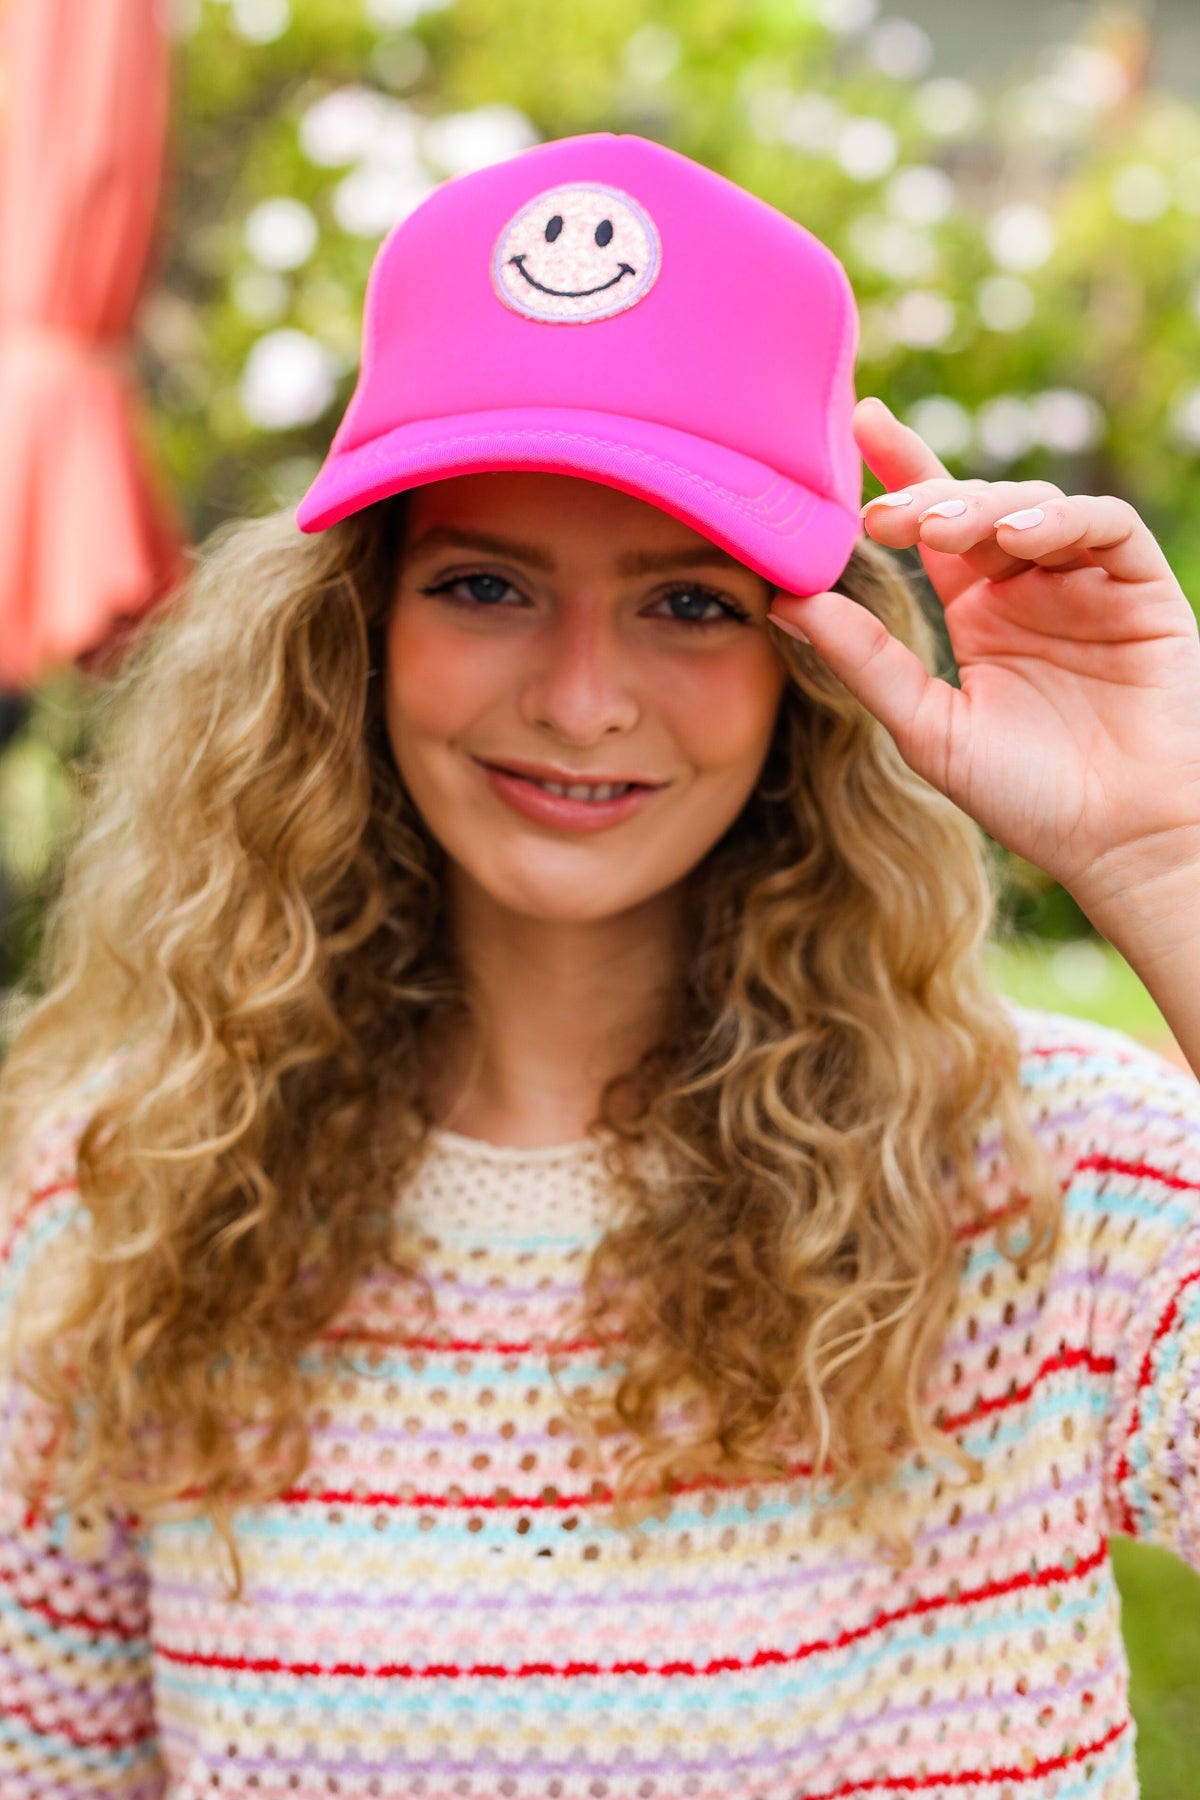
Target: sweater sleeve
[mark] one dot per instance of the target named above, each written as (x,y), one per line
(76,1699)
(1129,1123)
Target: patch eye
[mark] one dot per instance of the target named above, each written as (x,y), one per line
(603,233)
(554,227)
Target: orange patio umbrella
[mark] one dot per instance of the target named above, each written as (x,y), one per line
(88,540)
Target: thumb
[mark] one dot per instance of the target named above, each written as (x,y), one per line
(888,678)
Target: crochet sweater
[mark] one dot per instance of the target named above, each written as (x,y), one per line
(435,1610)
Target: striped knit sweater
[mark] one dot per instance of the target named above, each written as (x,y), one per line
(435,1611)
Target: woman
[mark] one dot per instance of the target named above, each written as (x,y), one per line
(641,1315)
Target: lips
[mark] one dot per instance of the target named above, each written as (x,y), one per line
(558,811)
(569,778)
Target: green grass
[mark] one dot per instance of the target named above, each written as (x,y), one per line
(1160,1620)
(1160,1596)
(1084,978)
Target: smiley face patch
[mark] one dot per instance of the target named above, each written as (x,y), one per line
(576,253)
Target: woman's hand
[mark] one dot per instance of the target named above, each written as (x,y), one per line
(1074,738)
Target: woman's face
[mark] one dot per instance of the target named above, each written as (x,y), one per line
(582,630)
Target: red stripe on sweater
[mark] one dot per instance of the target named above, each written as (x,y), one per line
(103,1740)
(915,1784)
(76,1621)
(1065,1358)
(724,1665)
(34,1204)
(1143,1170)
(1087,1051)
(1145,1376)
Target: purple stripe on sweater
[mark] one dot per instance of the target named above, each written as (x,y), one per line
(17,1781)
(791,1582)
(1106,1107)
(78,1701)
(773,1761)
(1061,1282)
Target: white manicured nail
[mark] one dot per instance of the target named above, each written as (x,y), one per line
(945,509)
(902,499)
(792,630)
(1033,515)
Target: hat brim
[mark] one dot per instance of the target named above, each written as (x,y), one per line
(797,539)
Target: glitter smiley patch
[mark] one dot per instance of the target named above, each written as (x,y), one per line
(576,253)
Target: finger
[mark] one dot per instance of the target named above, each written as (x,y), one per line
(1112,532)
(895,454)
(887,677)
(896,519)
(970,535)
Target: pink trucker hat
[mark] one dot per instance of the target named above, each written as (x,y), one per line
(605,307)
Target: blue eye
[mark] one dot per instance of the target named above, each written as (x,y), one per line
(483,589)
(706,598)
(496,581)
(689,603)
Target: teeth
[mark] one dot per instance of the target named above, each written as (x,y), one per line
(579,791)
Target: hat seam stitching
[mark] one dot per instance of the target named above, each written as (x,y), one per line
(755,505)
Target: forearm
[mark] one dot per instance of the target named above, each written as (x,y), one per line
(1151,915)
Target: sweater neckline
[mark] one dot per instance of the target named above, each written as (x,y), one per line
(482,1150)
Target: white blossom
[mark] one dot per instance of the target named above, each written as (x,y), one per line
(896,250)
(401,13)
(1005,428)
(942,422)
(1021,236)
(340,127)
(280,233)
(846,16)
(650,55)
(260,21)
(1140,192)
(458,142)
(1185,418)
(1004,302)
(947,107)
(288,380)
(900,48)
(1067,420)
(920,194)
(923,319)
(373,198)
(866,148)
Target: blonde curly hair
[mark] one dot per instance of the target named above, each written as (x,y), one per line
(246,941)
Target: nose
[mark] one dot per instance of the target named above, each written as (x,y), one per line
(581,681)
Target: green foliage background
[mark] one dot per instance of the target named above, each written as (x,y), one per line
(785,99)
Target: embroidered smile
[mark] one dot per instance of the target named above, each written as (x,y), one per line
(571,293)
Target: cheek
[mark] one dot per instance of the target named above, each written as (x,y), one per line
(724,708)
(432,686)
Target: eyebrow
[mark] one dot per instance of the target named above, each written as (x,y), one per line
(632,562)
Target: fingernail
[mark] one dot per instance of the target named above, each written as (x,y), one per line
(1033,515)
(792,630)
(945,509)
(902,499)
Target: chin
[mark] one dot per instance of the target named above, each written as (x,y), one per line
(553,906)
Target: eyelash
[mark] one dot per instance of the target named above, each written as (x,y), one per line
(731,609)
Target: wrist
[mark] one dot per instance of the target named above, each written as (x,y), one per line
(1145,898)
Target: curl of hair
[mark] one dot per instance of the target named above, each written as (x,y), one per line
(242,958)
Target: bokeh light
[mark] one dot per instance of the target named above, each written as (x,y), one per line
(289,379)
